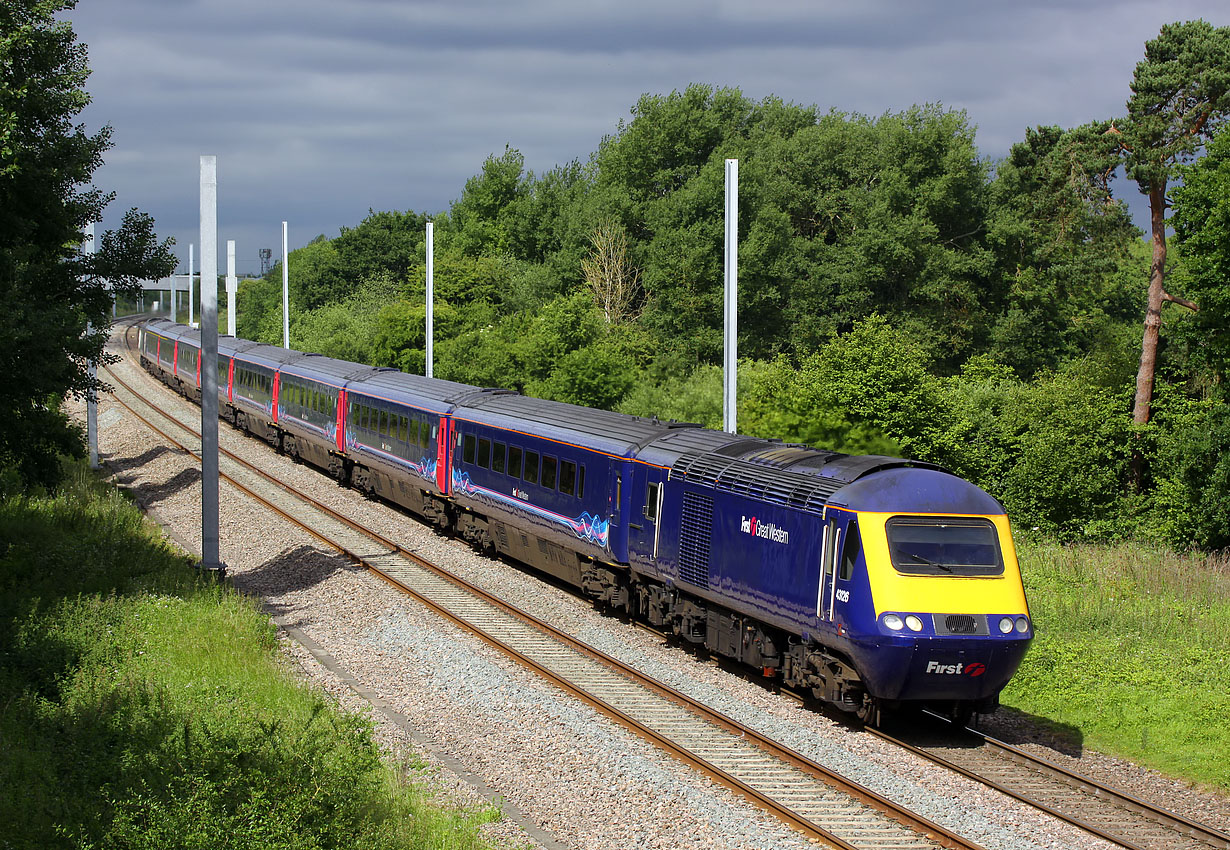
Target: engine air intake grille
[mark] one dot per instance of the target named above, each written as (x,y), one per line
(695,533)
(960,624)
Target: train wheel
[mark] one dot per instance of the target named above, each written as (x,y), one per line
(869,711)
(961,714)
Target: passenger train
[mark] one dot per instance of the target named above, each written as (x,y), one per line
(874,583)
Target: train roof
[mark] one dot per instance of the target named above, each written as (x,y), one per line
(916,490)
(163,327)
(229,346)
(417,391)
(614,433)
(787,474)
(269,356)
(328,370)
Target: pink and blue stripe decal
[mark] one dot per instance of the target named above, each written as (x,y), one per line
(586,527)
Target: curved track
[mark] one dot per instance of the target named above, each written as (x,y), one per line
(804,794)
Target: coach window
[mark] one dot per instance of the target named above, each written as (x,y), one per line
(651,501)
(497,457)
(548,472)
(567,477)
(467,451)
(531,467)
(851,552)
(581,483)
(514,461)
(484,452)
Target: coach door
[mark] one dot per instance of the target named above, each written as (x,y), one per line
(826,593)
(644,520)
(837,560)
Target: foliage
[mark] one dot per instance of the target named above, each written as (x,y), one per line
(1202,229)
(593,376)
(347,329)
(53,291)
(1054,451)
(120,731)
(898,293)
(1180,98)
(1062,244)
(612,281)
(1193,467)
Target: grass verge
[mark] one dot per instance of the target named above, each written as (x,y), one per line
(142,706)
(1132,652)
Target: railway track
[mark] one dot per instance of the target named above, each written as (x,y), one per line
(1120,818)
(804,794)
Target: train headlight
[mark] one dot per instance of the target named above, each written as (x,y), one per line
(1005,624)
(1022,624)
(893,622)
(913,623)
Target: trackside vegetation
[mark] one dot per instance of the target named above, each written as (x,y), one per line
(1131,654)
(142,706)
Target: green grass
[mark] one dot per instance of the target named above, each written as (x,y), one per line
(144,707)
(1132,652)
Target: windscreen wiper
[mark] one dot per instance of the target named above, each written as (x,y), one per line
(923,560)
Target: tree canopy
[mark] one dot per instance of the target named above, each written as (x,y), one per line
(53,290)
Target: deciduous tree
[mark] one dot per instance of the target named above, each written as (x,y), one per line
(51,290)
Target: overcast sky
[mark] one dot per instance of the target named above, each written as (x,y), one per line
(321,109)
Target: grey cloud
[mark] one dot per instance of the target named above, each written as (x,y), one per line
(320,110)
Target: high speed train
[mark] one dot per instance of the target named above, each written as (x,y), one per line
(871,582)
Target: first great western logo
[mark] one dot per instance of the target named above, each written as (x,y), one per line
(765,530)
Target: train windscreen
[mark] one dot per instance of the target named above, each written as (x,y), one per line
(944,546)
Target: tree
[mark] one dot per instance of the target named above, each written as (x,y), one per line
(1180,97)
(51,289)
(609,275)
(483,216)
(1202,228)
(1061,243)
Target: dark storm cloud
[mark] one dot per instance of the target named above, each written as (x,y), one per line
(319,110)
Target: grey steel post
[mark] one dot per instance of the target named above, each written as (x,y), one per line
(730,395)
(285,291)
(232,286)
(190,298)
(209,364)
(431,283)
(91,404)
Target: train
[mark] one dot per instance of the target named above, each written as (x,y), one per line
(876,584)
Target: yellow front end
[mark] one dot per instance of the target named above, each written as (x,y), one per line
(948,594)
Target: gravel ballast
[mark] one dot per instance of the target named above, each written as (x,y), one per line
(567,776)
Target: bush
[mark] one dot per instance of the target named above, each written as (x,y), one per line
(1055,452)
(1192,469)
